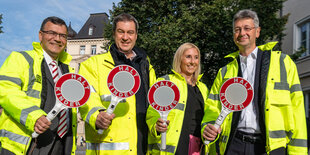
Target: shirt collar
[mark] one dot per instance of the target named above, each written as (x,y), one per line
(48,59)
(133,55)
(253,55)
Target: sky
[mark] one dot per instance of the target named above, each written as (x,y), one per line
(21,19)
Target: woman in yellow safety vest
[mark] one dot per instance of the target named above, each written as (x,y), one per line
(184,121)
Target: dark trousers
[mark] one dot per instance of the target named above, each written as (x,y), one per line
(6,152)
(59,146)
(239,147)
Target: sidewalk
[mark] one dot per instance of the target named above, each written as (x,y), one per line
(80,150)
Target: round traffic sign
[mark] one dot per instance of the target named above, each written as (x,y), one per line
(72,90)
(123,81)
(164,95)
(236,94)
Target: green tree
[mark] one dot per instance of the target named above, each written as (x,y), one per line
(1,23)
(165,25)
(298,53)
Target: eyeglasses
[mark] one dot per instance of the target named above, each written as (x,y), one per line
(246,29)
(55,34)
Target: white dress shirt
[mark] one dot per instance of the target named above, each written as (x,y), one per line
(248,120)
(48,60)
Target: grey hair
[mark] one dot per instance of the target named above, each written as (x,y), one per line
(246,13)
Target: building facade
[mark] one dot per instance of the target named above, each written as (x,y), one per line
(298,37)
(89,40)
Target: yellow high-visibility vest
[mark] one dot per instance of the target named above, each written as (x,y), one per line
(121,136)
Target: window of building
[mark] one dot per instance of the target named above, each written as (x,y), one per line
(91,30)
(302,36)
(82,49)
(305,37)
(93,49)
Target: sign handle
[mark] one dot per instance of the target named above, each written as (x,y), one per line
(114,101)
(219,121)
(164,115)
(51,115)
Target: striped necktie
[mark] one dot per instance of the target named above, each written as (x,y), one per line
(62,126)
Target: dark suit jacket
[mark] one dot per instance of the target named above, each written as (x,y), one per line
(49,141)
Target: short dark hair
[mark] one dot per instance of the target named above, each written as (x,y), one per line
(54,20)
(124,17)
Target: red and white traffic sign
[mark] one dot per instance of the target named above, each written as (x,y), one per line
(72,90)
(123,81)
(164,95)
(236,94)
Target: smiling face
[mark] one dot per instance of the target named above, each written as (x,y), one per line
(245,37)
(189,62)
(51,44)
(125,36)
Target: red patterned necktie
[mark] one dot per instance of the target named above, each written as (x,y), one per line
(62,126)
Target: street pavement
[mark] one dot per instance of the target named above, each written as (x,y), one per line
(80,150)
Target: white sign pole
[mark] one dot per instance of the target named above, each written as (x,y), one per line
(51,115)
(114,101)
(164,115)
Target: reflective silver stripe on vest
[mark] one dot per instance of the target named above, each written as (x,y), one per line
(295,87)
(30,92)
(298,142)
(14,137)
(282,85)
(12,79)
(282,68)
(93,110)
(180,106)
(223,71)
(107,98)
(169,148)
(214,97)
(211,122)
(277,134)
(107,146)
(33,93)
(25,112)
(224,139)
(166,77)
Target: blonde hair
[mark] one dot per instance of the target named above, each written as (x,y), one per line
(176,65)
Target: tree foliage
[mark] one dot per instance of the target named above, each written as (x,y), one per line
(165,25)
(298,53)
(1,23)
